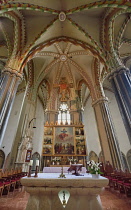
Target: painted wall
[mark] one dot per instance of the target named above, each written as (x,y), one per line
(90,126)
(12,124)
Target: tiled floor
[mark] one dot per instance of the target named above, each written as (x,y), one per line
(114,201)
(110,201)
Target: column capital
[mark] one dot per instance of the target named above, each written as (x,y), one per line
(12,72)
(100,100)
(118,71)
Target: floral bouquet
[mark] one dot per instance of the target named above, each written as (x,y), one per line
(56,159)
(94,168)
(74,160)
(71,160)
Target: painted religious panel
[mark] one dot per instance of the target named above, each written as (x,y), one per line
(48,131)
(47,150)
(48,140)
(64,141)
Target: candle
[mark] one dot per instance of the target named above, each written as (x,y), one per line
(31,163)
(37,162)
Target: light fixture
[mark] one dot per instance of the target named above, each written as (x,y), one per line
(64,197)
(34,124)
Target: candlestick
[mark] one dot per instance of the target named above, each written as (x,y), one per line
(36,172)
(29,173)
(62,175)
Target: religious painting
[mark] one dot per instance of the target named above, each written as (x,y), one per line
(79,131)
(48,140)
(64,140)
(28,156)
(48,130)
(47,150)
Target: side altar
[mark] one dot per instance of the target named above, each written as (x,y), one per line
(44,190)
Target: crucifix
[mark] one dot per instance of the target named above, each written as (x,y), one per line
(64,89)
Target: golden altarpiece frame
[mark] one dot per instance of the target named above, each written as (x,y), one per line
(63,144)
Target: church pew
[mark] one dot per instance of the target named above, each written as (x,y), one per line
(10,180)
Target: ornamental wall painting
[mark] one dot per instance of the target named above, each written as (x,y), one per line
(64,140)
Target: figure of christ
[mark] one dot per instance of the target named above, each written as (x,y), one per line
(63,134)
(64,89)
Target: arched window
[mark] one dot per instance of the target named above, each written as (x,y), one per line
(64,114)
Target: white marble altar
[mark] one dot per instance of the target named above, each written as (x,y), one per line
(84,191)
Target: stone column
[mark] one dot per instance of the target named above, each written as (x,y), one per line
(121,83)
(26,116)
(108,140)
(9,84)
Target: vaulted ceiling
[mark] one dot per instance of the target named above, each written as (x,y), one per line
(74,39)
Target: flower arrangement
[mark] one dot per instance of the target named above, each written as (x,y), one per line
(94,168)
(56,159)
(75,161)
(71,160)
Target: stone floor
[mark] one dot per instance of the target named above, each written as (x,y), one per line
(110,200)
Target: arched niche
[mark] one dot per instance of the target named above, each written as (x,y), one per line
(129,158)
(93,156)
(2,158)
(35,156)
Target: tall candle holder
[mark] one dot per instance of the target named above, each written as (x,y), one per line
(29,173)
(62,175)
(36,172)
(30,165)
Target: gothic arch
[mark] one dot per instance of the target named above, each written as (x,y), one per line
(93,156)
(35,156)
